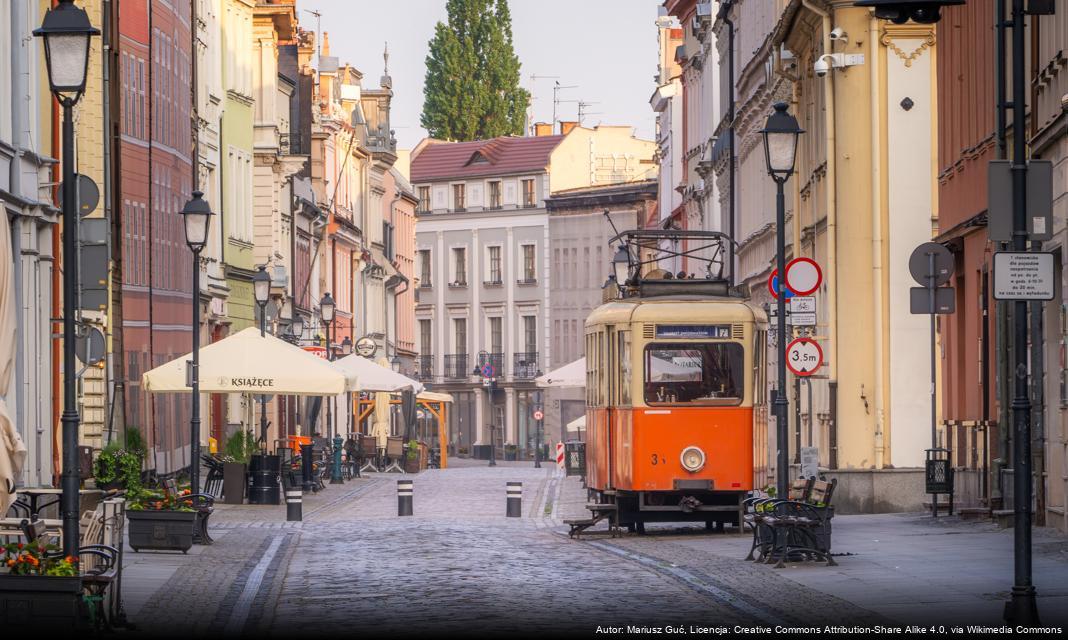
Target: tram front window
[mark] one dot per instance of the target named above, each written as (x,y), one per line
(689,373)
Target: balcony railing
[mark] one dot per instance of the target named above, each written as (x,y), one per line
(492,282)
(526,365)
(526,281)
(456,366)
(424,367)
(496,360)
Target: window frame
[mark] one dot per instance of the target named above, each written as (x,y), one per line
(738,377)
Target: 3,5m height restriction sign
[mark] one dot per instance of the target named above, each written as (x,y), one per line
(804,356)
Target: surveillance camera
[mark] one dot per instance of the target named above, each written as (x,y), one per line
(822,67)
(838,33)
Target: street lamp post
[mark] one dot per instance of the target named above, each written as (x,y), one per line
(197,216)
(780,149)
(261,286)
(327,307)
(66,31)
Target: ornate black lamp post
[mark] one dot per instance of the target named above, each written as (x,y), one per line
(327,307)
(197,216)
(261,286)
(66,31)
(780,149)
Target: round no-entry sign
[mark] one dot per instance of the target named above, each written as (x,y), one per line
(804,356)
(803,276)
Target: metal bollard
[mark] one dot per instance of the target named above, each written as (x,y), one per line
(307,452)
(515,500)
(294,504)
(404,497)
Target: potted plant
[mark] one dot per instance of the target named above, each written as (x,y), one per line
(39,587)
(511,452)
(160,520)
(411,457)
(118,468)
(239,448)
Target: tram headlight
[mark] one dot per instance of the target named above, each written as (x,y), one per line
(693,459)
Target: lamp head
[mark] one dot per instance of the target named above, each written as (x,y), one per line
(66,31)
(780,142)
(261,286)
(196,214)
(326,308)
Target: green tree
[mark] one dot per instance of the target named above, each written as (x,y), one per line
(472,87)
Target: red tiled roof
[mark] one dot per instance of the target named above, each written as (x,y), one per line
(505,155)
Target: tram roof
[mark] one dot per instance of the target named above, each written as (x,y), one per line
(689,309)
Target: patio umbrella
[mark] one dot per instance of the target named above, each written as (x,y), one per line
(12,449)
(569,375)
(408,412)
(374,376)
(247,362)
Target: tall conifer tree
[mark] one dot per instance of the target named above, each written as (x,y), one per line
(472,87)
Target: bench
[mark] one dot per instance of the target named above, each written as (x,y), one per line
(758,508)
(203,503)
(801,529)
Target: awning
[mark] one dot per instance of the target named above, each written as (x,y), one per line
(569,375)
(432,396)
(249,363)
(373,376)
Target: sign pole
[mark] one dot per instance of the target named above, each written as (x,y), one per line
(931,279)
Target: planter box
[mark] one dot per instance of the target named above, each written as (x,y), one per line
(41,602)
(234,482)
(411,465)
(161,530)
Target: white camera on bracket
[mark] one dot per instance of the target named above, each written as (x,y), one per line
(828,61)
(838,33)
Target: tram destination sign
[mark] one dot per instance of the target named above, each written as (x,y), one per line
(693,331)
(1023,275)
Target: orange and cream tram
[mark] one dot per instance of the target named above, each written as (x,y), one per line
(674,386)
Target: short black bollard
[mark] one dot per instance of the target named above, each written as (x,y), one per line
(294,504)
(404,497)
(515,500)
(307,453)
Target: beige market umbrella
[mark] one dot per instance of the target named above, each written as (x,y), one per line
(569,375)
(12,449)
(249,363)
(381,422)
(374,376)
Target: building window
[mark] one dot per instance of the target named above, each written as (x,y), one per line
(424,199)
(459,260)
(459,197)
(496,336)
(528,193)
(530,334)
(459,326)
(495,194)
(424,268)
(425,344)
(530,274)
(495,265)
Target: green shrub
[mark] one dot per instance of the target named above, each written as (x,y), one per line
(241,446)
(115,464)
(134,441)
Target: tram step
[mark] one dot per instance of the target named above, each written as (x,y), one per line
(588,522)
(602,507)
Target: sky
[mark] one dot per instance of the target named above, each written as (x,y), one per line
(606,48)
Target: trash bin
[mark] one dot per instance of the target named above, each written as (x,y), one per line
(575,458)
(264,471)
(938,477)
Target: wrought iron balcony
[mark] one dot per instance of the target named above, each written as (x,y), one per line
(424,367)
(456,366)
(525,365)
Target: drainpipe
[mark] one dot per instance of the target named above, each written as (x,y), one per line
(724,15)
(57,328)
(877,249)
(832,229)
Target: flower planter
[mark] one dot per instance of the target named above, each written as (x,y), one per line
(411,465)
(161,530)
(41,602)
(234,482)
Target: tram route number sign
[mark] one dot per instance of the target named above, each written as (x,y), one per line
(804,356)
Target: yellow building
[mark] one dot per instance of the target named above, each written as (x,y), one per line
(860,201)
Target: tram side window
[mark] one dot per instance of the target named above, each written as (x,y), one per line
(624,368)
(689,373)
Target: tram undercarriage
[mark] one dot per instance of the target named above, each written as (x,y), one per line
(633,509)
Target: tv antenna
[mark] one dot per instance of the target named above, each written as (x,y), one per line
(318,37)
(582,113)
(530,112)
(556,98)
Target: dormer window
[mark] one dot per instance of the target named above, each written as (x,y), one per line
(478,158)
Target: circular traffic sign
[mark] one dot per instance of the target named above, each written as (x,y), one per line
(773,284)
(88,195)
(920,264)
(538,414)
(803,276)
(488,370)
(89,347)
(804,356)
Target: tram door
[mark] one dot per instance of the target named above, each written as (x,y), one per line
(610,367)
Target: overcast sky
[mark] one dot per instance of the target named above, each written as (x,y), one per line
(605,47)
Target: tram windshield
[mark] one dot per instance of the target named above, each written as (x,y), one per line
(689,373)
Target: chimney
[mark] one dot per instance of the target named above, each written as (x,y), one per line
(567,125)
(326,44)
(542,129)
